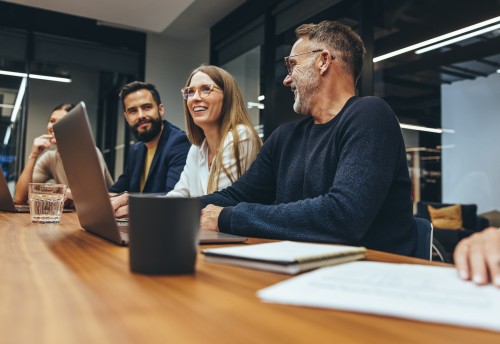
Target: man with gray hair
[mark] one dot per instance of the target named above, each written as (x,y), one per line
(339,175)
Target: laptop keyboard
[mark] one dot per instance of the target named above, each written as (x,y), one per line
(122,226)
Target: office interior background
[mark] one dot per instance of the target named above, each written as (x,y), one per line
(450,94)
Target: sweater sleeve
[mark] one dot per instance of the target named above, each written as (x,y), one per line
(256,185)
(41,172)
(370,150)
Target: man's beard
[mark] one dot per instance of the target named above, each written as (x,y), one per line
(305,89)
(147,135)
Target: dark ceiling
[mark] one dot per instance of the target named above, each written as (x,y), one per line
(410,82)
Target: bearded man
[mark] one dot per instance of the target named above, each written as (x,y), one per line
(156,161)
(340,175)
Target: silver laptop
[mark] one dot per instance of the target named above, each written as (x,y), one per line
(6,201)
(79,156)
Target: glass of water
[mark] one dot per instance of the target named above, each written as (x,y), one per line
(46,202)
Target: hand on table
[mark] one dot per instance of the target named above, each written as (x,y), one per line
(119,202)
(477,257)
(210,218)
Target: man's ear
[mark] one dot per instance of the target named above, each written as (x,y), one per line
(325,62)
(161,110)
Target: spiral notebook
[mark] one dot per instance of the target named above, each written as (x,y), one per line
(286,256)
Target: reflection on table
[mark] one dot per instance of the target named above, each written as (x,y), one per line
(60,284)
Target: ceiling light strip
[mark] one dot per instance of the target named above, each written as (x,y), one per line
(49,78)
(19,100)
(436,39)
(7,135)
(15,110)
(35,76)
(251,105)
(6,72)
(458,39)
(421,128)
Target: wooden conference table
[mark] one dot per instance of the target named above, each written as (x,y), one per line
(59,284)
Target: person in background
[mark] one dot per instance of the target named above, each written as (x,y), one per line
(45,164)
(340,175)
(155,162)
(477,257)
(224,141)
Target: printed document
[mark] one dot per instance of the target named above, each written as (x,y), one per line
(419,292)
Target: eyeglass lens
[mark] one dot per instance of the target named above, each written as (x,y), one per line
(204,91)
(289,67)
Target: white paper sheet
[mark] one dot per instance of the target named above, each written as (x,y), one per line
(426,293)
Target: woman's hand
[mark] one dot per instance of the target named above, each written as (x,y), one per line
(40,144)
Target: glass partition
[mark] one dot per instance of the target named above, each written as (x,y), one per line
(12,96)
(246,70)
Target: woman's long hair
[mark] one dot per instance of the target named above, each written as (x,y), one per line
(233,113)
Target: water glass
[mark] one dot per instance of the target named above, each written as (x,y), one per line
(46,202)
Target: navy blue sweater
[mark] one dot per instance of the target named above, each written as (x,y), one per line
(345,181)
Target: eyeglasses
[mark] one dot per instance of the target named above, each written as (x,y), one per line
(203,91)
(289,67)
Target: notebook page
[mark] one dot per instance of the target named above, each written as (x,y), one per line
(283,251)
(425,293)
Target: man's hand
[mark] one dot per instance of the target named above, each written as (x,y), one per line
(210,218)
(119,202)
(478,257)
(40,143)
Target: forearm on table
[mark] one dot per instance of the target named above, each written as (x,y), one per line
(22,185)
(318,219)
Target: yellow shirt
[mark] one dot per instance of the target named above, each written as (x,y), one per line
(147,164)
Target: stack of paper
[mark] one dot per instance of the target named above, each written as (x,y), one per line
(285,256)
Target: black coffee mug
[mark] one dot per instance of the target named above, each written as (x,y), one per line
(163,234)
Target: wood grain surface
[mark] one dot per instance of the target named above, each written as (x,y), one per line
(60,284)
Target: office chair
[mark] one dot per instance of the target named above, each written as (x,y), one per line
(449,239)
(429,247)
(424,239)
(439,253)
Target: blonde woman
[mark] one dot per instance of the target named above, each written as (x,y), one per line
(224,141)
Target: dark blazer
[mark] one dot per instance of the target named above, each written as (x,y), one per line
(166,168)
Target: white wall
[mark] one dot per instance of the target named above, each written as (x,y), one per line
(168,65)
(471,169)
